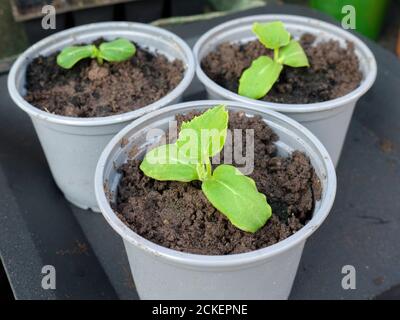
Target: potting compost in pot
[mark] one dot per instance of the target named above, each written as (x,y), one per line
(93,90)
(177,215)
(190,224)
(308,69)
(82,85)
(333,72)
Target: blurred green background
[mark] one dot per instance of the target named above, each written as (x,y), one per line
(370,14)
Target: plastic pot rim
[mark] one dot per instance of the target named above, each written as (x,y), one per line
(365,85)
(214,261)
(35,49)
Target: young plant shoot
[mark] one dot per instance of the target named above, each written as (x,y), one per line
(114,51)
(257,80)
(188,159)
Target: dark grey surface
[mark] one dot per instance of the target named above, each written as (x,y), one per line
(37,226)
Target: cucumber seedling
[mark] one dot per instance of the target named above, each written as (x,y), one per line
(113,51)
(188,159)
(257,80)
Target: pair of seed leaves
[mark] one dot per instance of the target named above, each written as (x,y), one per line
(188,159)
(113,51)
(258,79)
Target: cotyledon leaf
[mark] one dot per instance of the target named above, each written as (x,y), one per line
(69,56)
(117,50)
(258,79)
(237,197)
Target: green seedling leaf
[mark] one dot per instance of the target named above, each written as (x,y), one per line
(293,55)
(204,136)
(114,51)
(258,79)
(117,50)
(166,163)
(237,197)
(69,56)
(272,35)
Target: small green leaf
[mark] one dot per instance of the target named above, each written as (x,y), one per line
(69,56)
(117,50)
(166,163)
(272,35)
(237,197)
(204,136)
(258,79)
(293,55)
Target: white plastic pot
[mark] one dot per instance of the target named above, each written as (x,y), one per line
(328,120)
(73,145)
(162,273)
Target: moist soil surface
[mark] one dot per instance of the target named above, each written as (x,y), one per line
(333,72)
(177,215)
(93,90)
